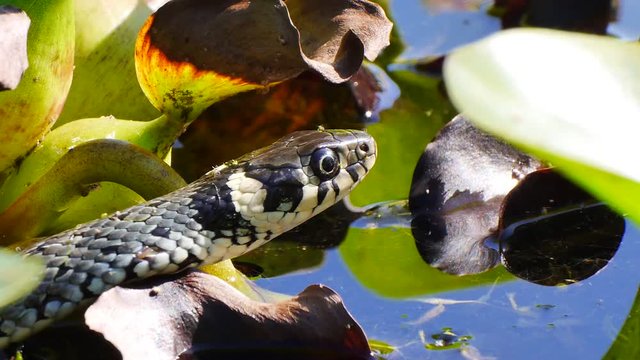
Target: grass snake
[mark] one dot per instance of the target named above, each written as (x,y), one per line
(229,211)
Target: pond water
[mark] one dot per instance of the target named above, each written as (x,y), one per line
(398,299)
(512,319)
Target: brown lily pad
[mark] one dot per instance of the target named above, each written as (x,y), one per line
(199,315)
(270,41)
(14,25)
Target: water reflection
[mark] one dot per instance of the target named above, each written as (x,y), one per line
(429,33)
(553,232)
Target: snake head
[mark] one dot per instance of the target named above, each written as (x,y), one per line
(280,186)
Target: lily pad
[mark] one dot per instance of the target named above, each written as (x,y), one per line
(577,106)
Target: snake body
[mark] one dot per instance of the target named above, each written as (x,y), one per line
(232,209)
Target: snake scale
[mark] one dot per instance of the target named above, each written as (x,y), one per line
(232,209)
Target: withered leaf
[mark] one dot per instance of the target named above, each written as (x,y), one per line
(553,232)
(195,314)
(335,35)
(456,193)
(251,40)
(259,42)
(14,25)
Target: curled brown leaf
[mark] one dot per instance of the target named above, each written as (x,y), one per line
(248,44)
(201,314)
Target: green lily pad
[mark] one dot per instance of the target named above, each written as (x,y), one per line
(572,99)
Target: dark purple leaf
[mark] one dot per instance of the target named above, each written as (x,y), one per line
(456,194)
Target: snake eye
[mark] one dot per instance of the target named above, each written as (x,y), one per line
(324,163)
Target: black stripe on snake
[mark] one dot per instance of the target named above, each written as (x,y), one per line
(229,211)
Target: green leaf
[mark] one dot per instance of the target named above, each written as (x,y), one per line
(30,110)
(74,175)
(18,276)
(104,81)
(572,99)
(381,347)
(156,136)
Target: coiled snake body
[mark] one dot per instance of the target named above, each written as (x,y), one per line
(232,209)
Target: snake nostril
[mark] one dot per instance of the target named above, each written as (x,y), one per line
(364,147)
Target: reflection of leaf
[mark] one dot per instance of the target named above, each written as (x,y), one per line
(553,232)
(626,345)
(18,276)
(385,260)
(542,103)
(163,319)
